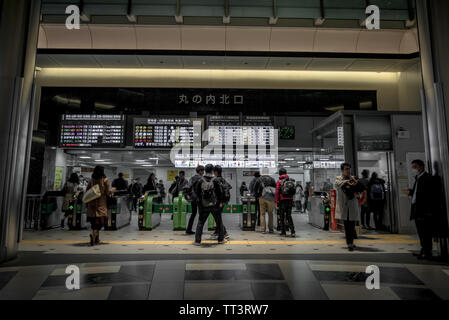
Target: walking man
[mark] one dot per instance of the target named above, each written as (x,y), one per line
(285,190)
(209,196)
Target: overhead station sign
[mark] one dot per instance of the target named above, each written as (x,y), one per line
(166,132)
(92,131)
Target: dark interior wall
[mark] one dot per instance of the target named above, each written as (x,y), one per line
(166,101)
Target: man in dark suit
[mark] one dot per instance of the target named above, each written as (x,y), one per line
(422,210)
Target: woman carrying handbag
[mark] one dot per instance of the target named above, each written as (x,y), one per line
(97,208)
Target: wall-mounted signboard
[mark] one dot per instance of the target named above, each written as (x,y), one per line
(92,131)
(166,132)
(251,130)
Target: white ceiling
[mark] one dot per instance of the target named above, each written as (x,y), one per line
(229,38)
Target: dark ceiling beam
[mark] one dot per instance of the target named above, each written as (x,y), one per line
(178,16)
(411,15)
(226,17)
(83,15)
(319,21)
(274,18)
(129,12)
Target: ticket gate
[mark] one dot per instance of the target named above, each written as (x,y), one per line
(179,212)
(50,209)
(249,216)
(148,219)
(319,215)
(76,219)
(211,223)
(119,213)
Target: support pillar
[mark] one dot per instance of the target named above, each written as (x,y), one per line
(19,29)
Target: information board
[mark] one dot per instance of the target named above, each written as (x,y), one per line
(166,132)
(250,130)
(92,131)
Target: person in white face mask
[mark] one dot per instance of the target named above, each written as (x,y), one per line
(422,198)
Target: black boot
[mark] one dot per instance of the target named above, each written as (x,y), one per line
(92,242)
(62,223)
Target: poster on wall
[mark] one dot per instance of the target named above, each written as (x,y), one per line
(403,178)
(171,174)
(57,185)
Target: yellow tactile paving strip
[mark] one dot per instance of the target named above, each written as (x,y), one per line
(384,239)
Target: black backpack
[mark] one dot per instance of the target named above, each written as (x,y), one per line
(225,189)
(377,191)
(189,190)
(288,188)
(208,196)
(136,190)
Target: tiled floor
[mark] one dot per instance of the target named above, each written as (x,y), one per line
(227,280)
(163,264)
(163,240)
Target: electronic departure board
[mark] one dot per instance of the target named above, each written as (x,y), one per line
(166,132)
(92,131)
(227,130)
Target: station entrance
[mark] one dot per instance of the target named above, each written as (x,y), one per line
(78,133)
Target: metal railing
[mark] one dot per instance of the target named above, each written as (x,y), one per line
(32,215)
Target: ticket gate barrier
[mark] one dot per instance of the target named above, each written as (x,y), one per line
(211,223)
(236,208)
(249,215)
(325,209)
(119,213)
(147,218)
(113,209)
(50,208)
(75,219)
(320,213)
(227,208)
(179,212)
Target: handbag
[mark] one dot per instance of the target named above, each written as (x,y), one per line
(92,194)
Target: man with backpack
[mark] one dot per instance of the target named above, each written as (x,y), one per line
(376,199)
(266,189)
(190,195)
(210,196)
(255,194)
(365,212)
(135,190)
(226,197)
(285,190)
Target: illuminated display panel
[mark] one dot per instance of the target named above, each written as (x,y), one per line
(166,132)
(92,131)
(227,130)
(231,140)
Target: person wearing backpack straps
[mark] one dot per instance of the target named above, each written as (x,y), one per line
(266,188)
(209,195)
(376,199)
(285,190)
(226,197)
(190,194)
